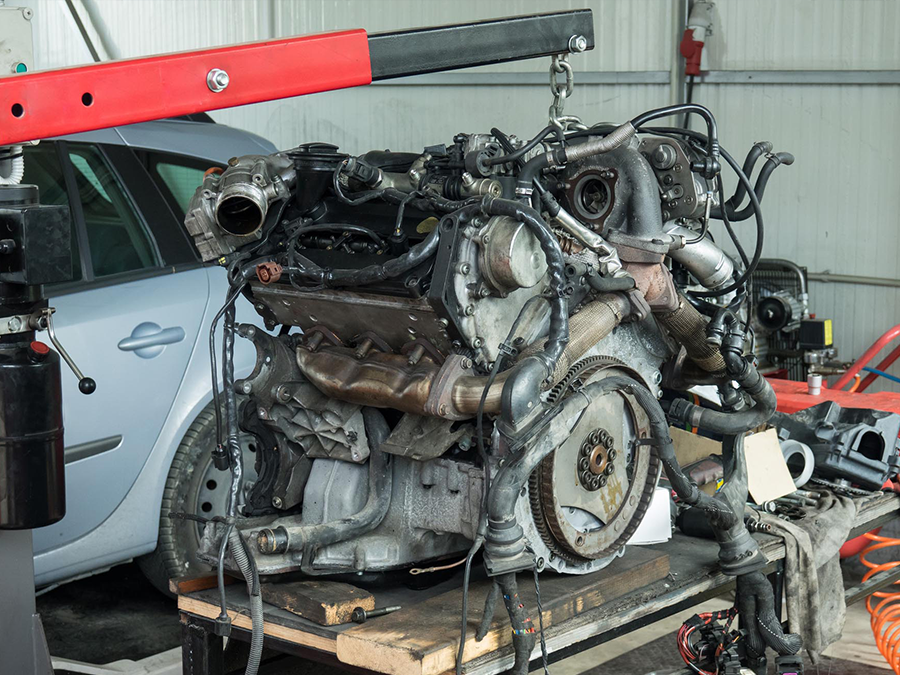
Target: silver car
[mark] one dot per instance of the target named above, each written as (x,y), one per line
(137,321)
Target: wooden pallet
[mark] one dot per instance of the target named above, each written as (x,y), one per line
(422,638)
(646,584)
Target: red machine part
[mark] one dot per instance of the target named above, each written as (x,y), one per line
(51,103)
(870,354)
(692,51)
(794,396)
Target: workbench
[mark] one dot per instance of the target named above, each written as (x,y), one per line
(647,584)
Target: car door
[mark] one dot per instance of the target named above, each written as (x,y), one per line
(131,322)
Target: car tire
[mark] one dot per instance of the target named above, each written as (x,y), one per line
(193,486)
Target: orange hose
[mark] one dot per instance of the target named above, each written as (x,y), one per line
(886,614)
(855,385)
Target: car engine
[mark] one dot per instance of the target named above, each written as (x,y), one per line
(481,345)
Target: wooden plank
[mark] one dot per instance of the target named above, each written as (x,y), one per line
(241,619)
(196,582)
(328,603)
(423,639)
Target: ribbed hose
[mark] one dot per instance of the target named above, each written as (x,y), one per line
(595,146)
(688,326)
(251,576)
(594,322)
(16,166)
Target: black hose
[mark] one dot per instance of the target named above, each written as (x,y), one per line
(760,234)
(759,188)
(756,151)
(393,268)
(712,132)
(513,154)
(360,198)
(490,605)
(738,368)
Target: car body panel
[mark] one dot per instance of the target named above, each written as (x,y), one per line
(134,395)
(114,487)
(196,139)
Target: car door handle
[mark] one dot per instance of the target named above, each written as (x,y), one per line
(149,339)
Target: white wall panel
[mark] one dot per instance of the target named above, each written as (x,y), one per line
(806,34)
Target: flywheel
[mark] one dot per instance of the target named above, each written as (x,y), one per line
(589,495)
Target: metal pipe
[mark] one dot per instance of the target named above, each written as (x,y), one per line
(828,277)
(99,25)
(781,263)
(709,264)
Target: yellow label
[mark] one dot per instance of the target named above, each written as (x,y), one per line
(427,225)
(828,336)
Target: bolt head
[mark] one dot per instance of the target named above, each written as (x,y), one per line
(578,44)
(217,80)
(14,324)
(246,387)
(443,409)
(470,310)
(276,502)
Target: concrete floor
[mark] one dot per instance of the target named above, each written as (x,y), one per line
(118,615)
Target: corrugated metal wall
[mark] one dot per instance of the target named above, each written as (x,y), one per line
(835,210)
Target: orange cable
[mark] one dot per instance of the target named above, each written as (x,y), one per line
(886,614)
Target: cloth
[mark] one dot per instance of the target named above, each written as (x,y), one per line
(814,586)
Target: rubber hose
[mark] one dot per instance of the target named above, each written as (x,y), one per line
(395,267)
(251,576)
(688,327)
(593,323)
(303,537)
(738,369)
(759,187)
(756,151)
(731,423)
(487,616)
(610,284)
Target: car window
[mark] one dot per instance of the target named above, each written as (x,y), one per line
(43,168)
(116,236)
(178,177)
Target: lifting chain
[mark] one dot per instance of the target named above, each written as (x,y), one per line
(561,91)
